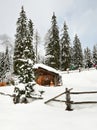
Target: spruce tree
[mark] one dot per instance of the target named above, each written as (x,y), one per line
(20,39)
(71,59)
(29,57)
(77,52)
(65,48)
(24,57)
(7,61)
(87,57)
(30,27)
(2,67)
(94,54)
(37,40)
(53,47)
(26,74)
(5,68)
(30,54)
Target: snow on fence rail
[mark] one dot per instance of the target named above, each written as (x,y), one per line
(68,100)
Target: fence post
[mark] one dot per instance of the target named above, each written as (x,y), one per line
(68,100)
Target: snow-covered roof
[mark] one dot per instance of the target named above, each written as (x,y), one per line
(36,66)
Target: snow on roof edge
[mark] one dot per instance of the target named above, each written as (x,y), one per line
(36,66)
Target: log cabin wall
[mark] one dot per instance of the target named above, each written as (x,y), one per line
(3,84)
(45,77)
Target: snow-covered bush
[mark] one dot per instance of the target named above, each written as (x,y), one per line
(26,94)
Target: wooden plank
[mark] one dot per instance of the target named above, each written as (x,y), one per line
(85,102)
(62,101)
(54,97)
(88,92)
(58,100)
(82,102)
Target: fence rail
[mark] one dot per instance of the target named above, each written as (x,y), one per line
(90,92)
(68,100)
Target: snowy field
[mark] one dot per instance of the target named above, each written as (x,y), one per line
(52,116)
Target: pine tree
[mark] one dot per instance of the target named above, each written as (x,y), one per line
(5,68)
(24,57)
(31,29)
(53,47)
(77,52)
(20,39)
(95,54)
(87,57)
(72,67)
(65,48)
(7,60)
(29,57)
(26,74)
(2,67)
(30,54)
(37,40)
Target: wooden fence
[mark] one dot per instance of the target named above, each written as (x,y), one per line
(68,100)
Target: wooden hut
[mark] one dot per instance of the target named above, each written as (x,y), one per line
(46,76)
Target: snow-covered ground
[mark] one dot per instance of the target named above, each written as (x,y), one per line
(53,116)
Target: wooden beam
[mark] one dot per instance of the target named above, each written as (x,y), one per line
(85,102)
(90,92)
(54,97)
(82,102)
(58,100)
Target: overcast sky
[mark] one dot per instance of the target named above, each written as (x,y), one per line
(80,16)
